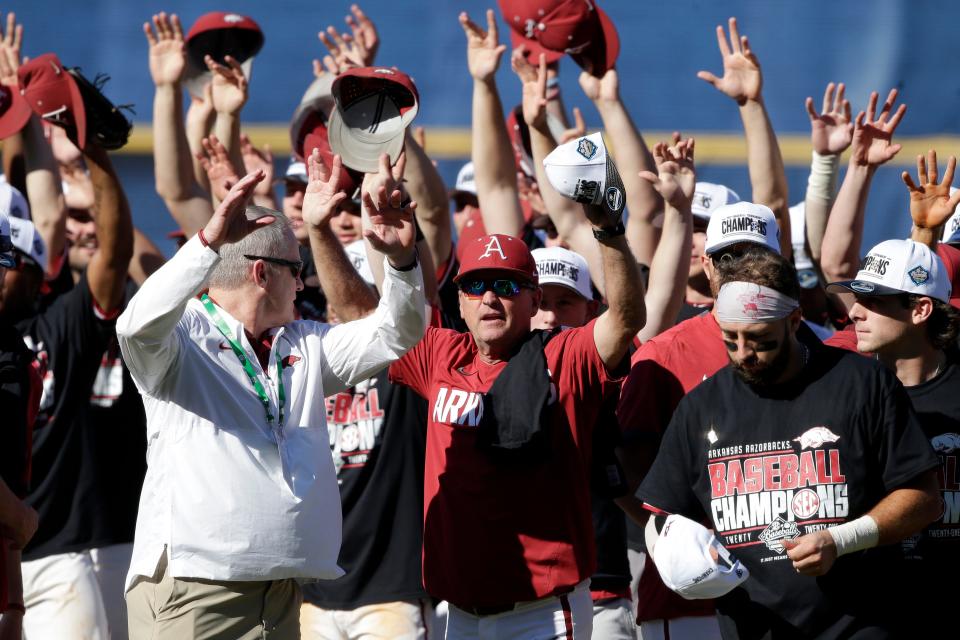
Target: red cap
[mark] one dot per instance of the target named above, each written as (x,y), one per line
(577,27)
(317,138)
(497,252)
(951,260)
(53,95)
(14,111)
(532,48)
(220,34)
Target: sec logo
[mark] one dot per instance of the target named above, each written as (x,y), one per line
(806,503)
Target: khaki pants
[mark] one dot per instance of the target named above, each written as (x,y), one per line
(166,608)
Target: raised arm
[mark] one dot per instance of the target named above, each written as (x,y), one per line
(350,295)
(146,259)
(931,204)
(633,157)
(491,152)
(742,81)
(172,163)
(425,186)
(255,159)
(831,132)
(107,272)
(675,182)
(228,90)
(872,146)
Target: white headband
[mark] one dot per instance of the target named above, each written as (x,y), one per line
(749,302)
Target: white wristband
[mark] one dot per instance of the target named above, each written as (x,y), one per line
(824,170)
(855,535)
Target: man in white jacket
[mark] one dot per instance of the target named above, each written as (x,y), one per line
(240,498)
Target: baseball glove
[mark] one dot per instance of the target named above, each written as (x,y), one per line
(107,126)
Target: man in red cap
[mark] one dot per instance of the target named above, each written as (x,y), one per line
(508,535)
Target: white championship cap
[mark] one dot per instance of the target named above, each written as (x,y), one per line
(466,180)
(899,266)
(806,272)
(27,240)
(357,253)
(296,171)
(6,245)
(680,549)
(951,230)
(742,222)
(556,265)
(583,171)
(708,197)
(12,202)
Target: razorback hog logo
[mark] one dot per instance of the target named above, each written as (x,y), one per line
(814,438)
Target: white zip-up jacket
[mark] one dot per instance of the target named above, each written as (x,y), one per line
(229,496)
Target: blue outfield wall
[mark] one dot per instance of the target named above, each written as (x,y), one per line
(801,46)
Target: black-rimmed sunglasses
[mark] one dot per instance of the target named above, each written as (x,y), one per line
(295,266)
(502,287)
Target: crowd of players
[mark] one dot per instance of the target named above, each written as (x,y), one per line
(641,407)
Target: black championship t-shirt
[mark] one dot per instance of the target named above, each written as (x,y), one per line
(69,338)
(768,465)
(15,397)
(933,557)
(378,439)
(607,482)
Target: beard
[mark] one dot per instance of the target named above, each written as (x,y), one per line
(764,375)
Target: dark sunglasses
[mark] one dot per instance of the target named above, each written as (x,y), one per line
(502,287)
(295,266)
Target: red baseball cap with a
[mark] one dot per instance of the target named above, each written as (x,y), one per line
(497,252)
(317,138)
(576,27)
(220,34)
(53,94)
(14,111)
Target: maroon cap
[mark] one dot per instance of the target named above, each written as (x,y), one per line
(220,34)
(14,111)
(374,107)
(532,48)
(53,94)
(317,138)
(497,252)
(576,27)
(951,260)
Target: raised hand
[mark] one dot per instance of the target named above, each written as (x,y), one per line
(872,137)
(10,43)
(168,55)
(534,81)
(676,175)
(364,34)
(322,197)
(387,224)
(345,50)
(216,163)
(229,222)
(254,159)
(741,79)
(483,48)
(831,132)
(229,85)
(931,204)
(605,89)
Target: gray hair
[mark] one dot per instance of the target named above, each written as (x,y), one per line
(233,269)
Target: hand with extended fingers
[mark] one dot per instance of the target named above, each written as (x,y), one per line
(741,79)
(605,89)
(872,136)
(676,175)
(831,132)
(10,43)
(356,49)
(229,85)
(534,80)
(483,48)
(387,224)
(229,222)
(254,159)
(215,161)
(931,203)
(168,54)
(364,34)
(322,197)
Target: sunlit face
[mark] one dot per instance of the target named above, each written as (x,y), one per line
(759,352)
(282,286)
(293,192)
(347,224)
(497,321)
(880,322)
(561,307)
(81,239)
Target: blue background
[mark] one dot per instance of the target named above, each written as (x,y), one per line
(801,46)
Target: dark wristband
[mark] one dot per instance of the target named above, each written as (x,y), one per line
(606,233)
(409,267)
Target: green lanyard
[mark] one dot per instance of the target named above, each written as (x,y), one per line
(247,367)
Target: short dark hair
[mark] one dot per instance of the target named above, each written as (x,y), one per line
(943,325)
(760,266)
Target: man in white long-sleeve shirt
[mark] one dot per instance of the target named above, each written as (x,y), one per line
(240,497)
